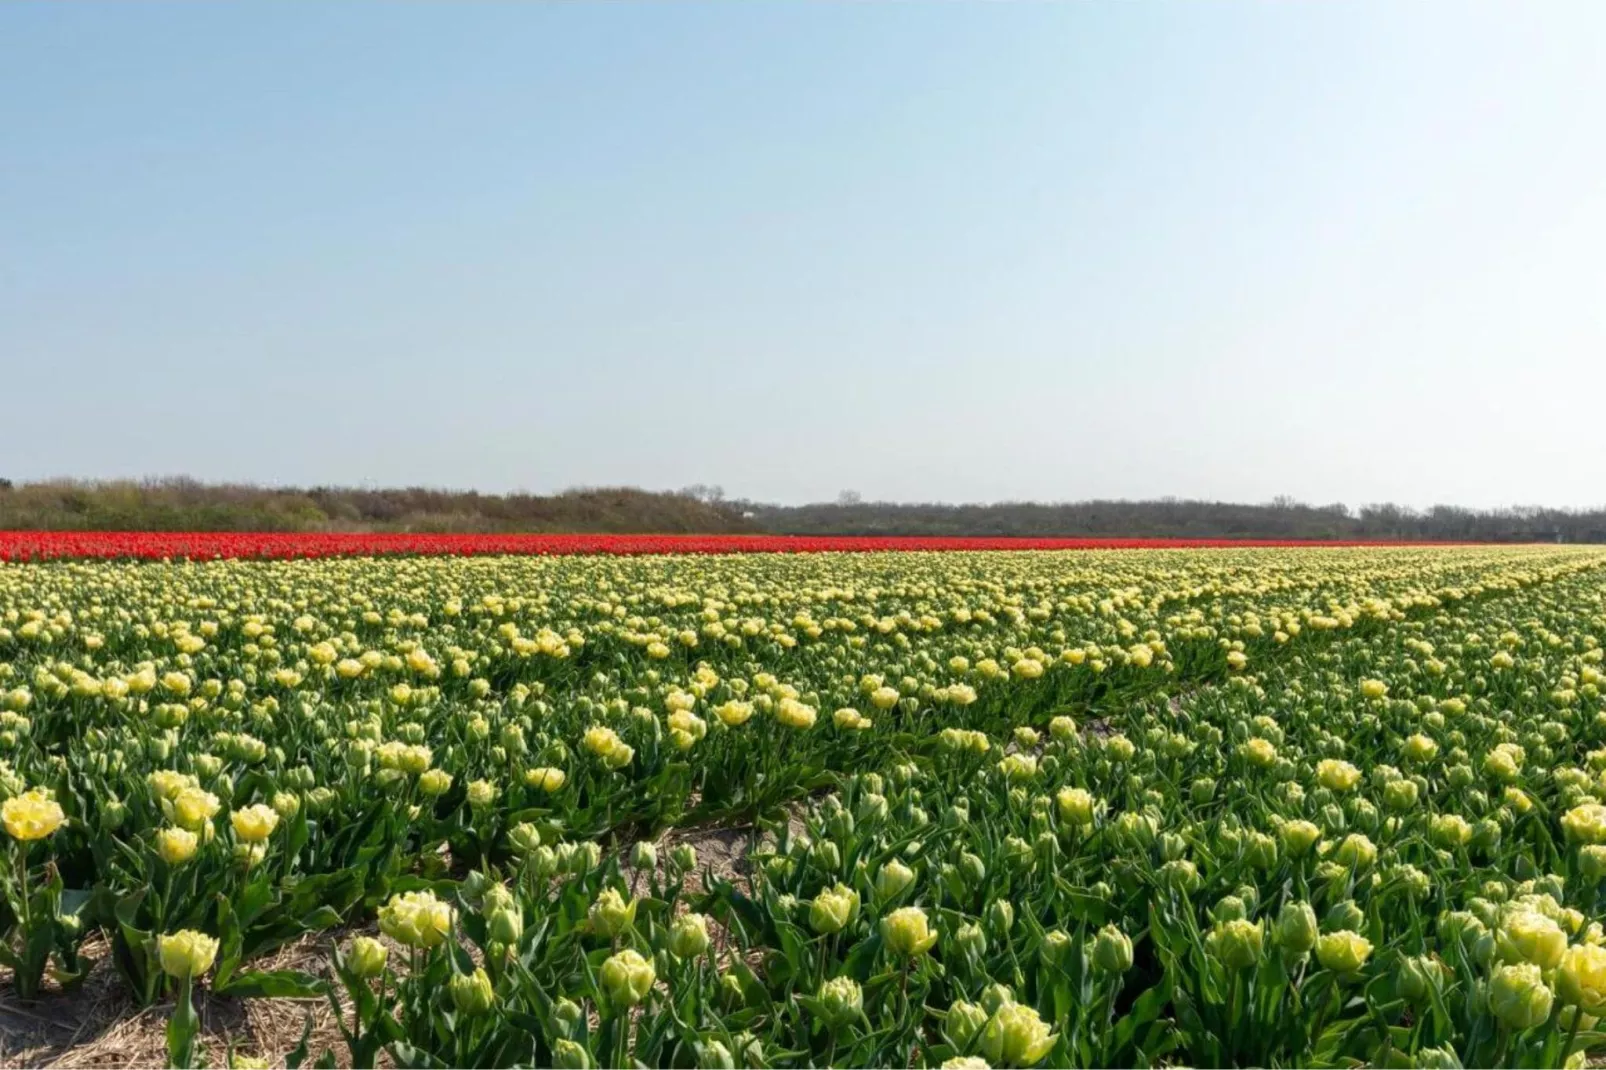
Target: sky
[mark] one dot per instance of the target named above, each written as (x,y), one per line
(968,252)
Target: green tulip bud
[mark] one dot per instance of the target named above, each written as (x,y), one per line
(688,936)
(505,924)
(907,932)
(964,1022)
(1400,795)
(1112,950)
(1016,1036)
(1442,1058)
(568,1055)
(892,880)
(626,978)
(113,813)
(1229,908)
(186,953)
(1343,952)
(1296,928)
(970,940)
(827,856)
(472,993)
(1056,946)
(366,957)
(1299,837)
(568,1014)
(873,809)
(643,857)
(1236,944)
(714,1055)
(833,909)
(1345,915)
(1418,978)
(524,838)
(995,996)
(1518,995)
(1180,874)
(610,915)
(1000,917)
(841,1001)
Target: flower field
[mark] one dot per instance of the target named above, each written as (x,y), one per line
(207,546)
(1235,806)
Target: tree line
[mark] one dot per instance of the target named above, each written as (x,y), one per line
(1177,518)
(182,504)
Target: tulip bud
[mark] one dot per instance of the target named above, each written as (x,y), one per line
(643,856)
(186,953)
(610,915)
(731,990)
(1345,915)
(626,978)
(176,846)
(827,856)
(112,815)
(907,932)
(964,1022)
(970,940)
(833,909)
(1296,929)
(1016,1036)
(1299,837)
(568,1055)
(1400,795)
(1180,874)
(1229,908)
(472,993)
(1237,943)
(1343,952)
(1518,996)
(688,936)
(841,1001)
(892,880)
(1418,978)
(1112,950)
(1528,936)
(505,924)
(1443,1058)
(1000,917)
(1076,807)
(995,996)
(1056,946)
(366,957)
(714,1055)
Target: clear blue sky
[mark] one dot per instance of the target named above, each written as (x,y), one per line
(1347,252)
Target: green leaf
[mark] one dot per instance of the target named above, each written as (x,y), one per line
(273,984)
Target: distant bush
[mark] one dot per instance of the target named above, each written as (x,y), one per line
(182,504)
(187,505)
(1171,518)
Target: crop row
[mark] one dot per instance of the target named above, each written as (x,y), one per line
(208,546)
